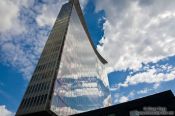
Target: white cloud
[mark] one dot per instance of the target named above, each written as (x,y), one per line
(144,91)
(123,96)
(21,40)
(137,32)
(150,76)
(5,112)
(120,98)
(11,44)
(156,85)
(9,12)
(20,48)
(123,99)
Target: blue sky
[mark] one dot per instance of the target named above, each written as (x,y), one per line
(135,36)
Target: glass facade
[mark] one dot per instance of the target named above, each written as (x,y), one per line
(81,83)
(69,77)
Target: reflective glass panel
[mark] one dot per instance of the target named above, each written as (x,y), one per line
(81,83)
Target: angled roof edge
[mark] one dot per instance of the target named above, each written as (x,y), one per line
(82,20)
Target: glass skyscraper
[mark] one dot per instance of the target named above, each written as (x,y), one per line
(69,77)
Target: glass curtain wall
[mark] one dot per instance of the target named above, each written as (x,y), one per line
(81,83)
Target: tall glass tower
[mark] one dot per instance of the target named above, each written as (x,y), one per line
(69,77)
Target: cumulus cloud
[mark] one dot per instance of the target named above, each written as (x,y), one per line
(11,27)
(136,32)
(144,91)
(123,99)
(5,112)
(12,53)
(150,76)
(145,81)
(120,98)
(24,31)
(9,12)
(20,48)
(133,94)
